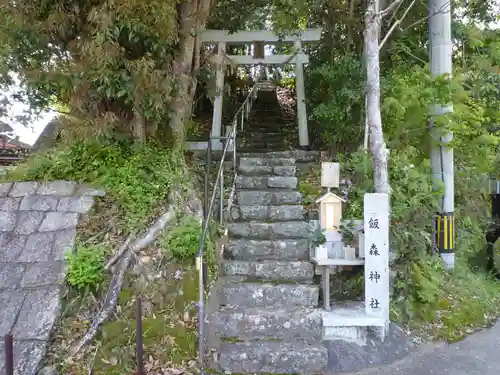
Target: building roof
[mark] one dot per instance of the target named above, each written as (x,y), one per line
(329,194)
(4,127)
(48,135)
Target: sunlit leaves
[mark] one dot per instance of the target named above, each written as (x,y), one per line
(96,57)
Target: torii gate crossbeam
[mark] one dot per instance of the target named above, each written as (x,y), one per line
(222,37)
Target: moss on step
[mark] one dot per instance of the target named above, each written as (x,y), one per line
(310,186)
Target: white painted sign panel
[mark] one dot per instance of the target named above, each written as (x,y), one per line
(376,224)
(495,186)
(330,174)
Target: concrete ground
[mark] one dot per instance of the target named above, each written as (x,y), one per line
(478,354)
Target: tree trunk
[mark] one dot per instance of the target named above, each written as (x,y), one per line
(193,16)
(138,128)
(378,148)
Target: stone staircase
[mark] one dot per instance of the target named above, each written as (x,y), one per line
(267,321)
(268,131)
(265,316)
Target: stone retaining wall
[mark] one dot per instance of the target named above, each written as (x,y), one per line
(37,227)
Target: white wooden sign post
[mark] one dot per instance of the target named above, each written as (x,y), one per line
(331,207)
(330,174)
(376,224)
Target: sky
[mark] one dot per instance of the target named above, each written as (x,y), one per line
(29,135)
(26,134)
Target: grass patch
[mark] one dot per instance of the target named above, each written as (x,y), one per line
(169,325)
(183,241)
(310,186)
(86,266)
(136,180)
(447,306)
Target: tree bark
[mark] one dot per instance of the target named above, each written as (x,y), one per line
(139,128)
(193,16)
(379,151)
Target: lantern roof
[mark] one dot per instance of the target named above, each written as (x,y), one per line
(330,195)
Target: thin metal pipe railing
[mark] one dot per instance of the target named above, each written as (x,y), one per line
(218,187)
(9,354)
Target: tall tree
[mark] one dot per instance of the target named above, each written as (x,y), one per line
(125,66)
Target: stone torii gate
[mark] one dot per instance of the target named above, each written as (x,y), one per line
(224,37)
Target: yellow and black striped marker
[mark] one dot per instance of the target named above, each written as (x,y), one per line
(445,231)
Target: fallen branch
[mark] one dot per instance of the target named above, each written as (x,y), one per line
(119,253)
(124,255)
(108,306)
(116,283)
(154,231)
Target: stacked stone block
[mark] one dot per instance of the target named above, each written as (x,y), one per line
(38,223)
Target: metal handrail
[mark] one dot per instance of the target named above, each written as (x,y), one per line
(230,141)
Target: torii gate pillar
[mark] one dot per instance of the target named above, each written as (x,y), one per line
(301,98)
(219,98)
(221,37)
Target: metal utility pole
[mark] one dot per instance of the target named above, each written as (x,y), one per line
(440,48)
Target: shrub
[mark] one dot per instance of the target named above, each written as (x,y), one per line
(86,267)
(183,241)
(135,179)
(424,296)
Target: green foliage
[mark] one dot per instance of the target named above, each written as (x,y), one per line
(318,238)
(137,180)
(347,232)
(86,266)
(110,65)
(335,93)
(446,306)
(287,82)
(407,99)
(310,193)
(309,186)
(183,241)
(424,295)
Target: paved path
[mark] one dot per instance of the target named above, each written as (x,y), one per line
(37,227)
(478,354)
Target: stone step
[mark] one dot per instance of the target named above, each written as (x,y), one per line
(268,182)
(269,270)
(263,160)
(237,293)
(253,145)
(263,137)
(284,323)
(273,357)
(267,213)
(348,321)
(261,151)
(264,198)
(262,140)
(244,249)
(299,155)
(252,170)
(269,231)
(261,134)
(256,146)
